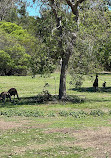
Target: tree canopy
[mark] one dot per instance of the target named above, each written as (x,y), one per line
(12,46)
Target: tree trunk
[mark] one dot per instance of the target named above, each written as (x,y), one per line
(62,84)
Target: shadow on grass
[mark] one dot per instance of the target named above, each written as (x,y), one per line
(41,99)
(52,99)
(104,73)
(91,89)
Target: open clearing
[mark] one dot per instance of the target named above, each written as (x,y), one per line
(80,129)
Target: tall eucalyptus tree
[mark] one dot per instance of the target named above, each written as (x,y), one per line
(65,43)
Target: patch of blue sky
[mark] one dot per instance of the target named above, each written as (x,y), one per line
(33,9)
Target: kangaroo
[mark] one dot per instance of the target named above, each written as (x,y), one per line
(5,95)
(13,91)
(95,84)
(104,84)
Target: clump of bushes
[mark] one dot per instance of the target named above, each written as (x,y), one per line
(51,114)
(26,113)
(76,114)
(64,113)
(44,96)
(97,113)
(37,113)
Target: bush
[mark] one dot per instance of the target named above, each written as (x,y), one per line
(44,96)
(96,113)
(51,114)
(78,114)
(64,113)
(26,113)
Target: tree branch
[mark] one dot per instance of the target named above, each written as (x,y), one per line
(58,19)
(80,1)
(53,7)
(74,7)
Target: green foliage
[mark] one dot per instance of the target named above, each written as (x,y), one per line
(92,52)
(15,42)
(10,27)
(76,114)
(51,114)
(26,113)
(45,55)
(12,16)
(21,35)
(95,28)
(44,96)
(64,113)
(19,57)
(37,113)
(79,114)
(5,59)
(5,62)
(96,113)
(41,61)
(22,10)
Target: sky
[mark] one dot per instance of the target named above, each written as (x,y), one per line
(34,9)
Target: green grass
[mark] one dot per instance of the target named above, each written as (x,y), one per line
(38,130)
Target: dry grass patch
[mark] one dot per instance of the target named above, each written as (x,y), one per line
(98,140)
(9,125)
(18,122)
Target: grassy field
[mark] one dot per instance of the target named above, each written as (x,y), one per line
(80,128)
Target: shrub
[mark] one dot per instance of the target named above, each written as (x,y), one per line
(96,113)
(64,113)
(44,96)
(26,113)
(78,114)
(51,114)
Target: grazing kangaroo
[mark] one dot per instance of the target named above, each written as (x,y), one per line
(104,84)
(13,91)
(5,95)
(95,84)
